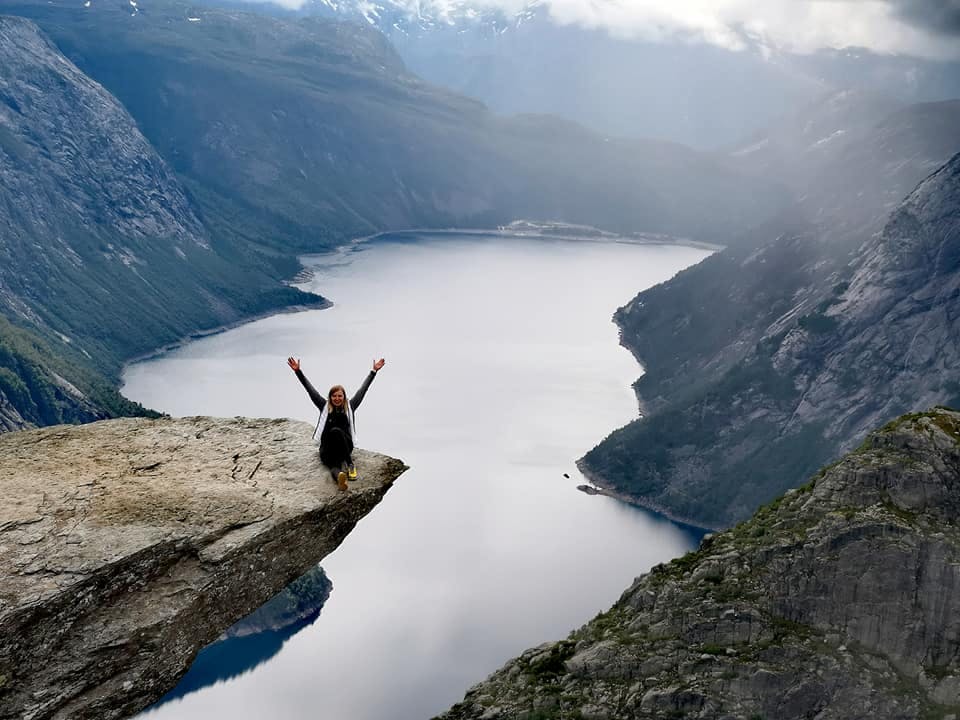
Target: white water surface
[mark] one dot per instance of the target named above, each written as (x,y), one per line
(503,367)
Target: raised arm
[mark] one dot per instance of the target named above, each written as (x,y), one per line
(359,394)
(318,399)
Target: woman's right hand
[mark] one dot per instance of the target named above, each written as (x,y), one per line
(294,363)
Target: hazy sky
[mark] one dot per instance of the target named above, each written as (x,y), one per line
(929,28)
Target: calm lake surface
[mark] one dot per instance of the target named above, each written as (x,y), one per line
(503,367)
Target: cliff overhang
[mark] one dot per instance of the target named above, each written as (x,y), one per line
(128,545)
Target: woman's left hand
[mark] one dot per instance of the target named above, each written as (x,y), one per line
(377,364)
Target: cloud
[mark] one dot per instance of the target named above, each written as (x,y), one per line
(924,28)
(915,27)
(940,17)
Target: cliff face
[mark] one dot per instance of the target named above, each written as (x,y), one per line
(764,368)
(887,338)
(851,157)
(839,600)
(102,255)
(128,545)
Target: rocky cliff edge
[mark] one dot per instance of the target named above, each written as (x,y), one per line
(127,545)
(841,600)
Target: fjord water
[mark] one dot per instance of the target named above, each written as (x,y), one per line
(503,367)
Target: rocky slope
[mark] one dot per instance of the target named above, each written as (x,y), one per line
(102,254)
(762,367)
(128,545)
(837,601)
(851,157)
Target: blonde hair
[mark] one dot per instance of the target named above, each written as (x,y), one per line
(332,391)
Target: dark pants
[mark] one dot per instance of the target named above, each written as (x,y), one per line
(335,449)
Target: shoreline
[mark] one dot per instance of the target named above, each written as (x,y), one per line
(504,231)
(305,274)
(209,332)
(600,487)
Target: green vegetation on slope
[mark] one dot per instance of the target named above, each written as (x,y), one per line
(29,367)
(102,256)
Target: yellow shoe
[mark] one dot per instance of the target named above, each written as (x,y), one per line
(342,480)
(352,472)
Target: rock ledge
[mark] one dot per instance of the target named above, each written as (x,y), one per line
(128,545)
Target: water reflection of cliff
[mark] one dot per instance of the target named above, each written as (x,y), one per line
(258,637)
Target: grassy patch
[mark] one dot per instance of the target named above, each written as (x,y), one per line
(906,516)
(612,625)
(948,424)
(945,422)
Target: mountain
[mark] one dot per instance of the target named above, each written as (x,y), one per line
(761,366)
(837,601)
(102,255)
(163,164)
(42,383)
(420,18)
(304,132)
(852,156)
(300,133)
(700,95)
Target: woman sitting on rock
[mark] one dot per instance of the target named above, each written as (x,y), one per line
(336,430)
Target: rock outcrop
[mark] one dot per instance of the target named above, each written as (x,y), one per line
(128,545)
(839,600)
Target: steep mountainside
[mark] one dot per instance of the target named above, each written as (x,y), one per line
(838,601)
(302,132)
(761,368)
(101,254)
(35,389)
(851,157)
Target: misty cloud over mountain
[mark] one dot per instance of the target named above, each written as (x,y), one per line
(941,17)
(920,28)
(700,94)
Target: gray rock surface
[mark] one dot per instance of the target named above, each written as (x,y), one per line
(66,128)
(764,369)
(102,254)
(128,545)
(837,601)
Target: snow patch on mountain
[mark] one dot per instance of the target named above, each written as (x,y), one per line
(407,16)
